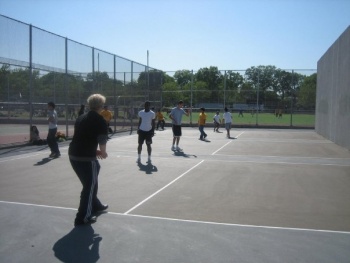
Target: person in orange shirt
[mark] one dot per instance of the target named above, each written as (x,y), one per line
(160,118)
(107,115)
(201,122)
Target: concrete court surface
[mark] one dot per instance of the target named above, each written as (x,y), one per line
(265,196)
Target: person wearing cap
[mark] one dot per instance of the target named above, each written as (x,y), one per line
(201,123)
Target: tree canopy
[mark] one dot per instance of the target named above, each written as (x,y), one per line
(271,86)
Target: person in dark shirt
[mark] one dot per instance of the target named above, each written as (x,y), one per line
(82,110)
(87,146)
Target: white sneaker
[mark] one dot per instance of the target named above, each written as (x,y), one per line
(178,149)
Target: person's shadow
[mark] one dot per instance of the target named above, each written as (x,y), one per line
(148,168)
(43,161)
(185,155)
(81,244)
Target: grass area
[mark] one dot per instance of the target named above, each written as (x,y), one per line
(298,119)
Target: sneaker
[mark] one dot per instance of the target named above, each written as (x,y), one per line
(101,208)
(149,160)
(173,148)
(178,149)
(56,155)
(80,222)
(52,155)
(138,160)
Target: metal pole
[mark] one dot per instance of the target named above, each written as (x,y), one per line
(54,87)
(115,94)
(148,91)
(191,97)
(8,95)
(66,84)
(291,101)
(225,89)
(132,105)
(93,69)
(257,100)
(161,90)
(30,78)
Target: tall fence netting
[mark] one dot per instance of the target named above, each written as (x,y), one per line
(37,66)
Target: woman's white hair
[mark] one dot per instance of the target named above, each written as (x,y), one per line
(96,101)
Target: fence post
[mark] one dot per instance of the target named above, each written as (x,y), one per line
(224,88)
(291,100)
(93,70)
(115,94)
(191,97)
(30,78)
(66,85)
(132,105)
(161,90)
(257,100)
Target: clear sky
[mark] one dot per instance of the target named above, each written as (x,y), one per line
(193,34)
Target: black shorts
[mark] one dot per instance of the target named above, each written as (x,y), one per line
(145,136)
(177,130)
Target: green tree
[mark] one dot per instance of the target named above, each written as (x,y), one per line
(183,77)
(5,73)
(214,83)
(234,84)
(262,77)
(307,92)
(171,94)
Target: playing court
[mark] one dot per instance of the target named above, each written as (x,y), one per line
(265,196)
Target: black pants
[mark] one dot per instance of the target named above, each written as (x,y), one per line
(51,140)
(87,173)
(161,124)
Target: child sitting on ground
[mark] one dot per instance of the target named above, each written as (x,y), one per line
(35,138)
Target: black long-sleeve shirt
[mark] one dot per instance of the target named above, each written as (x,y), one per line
(90,129)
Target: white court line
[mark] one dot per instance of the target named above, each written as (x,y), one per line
(21,157)
(28,155)
(226,144)
(189,221)
(173,181)
(268,160)
(281,162)
(36,205)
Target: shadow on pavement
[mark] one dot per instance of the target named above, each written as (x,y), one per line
(81,244)
(148,168)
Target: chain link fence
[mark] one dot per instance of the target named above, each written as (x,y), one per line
(37,66)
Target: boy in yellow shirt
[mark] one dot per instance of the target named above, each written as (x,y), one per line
(160,118)
(107,115)
(201,122)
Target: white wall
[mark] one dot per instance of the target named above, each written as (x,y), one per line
(333,92)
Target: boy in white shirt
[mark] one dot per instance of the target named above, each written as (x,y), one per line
(146,130)
(228,121)
(216,122)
